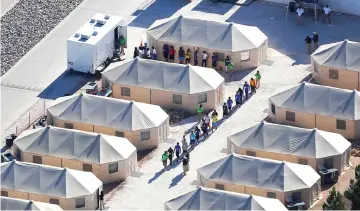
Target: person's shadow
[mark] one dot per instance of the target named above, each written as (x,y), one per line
(157,175)
(176,180)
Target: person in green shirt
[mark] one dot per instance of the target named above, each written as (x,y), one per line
(200,111)
(164,158)
(122,45)
(257,77)
(230,69)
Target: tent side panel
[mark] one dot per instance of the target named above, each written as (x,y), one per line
(41,198)
(357,128)
(16,194)
(104,130)
(137,93)
(165,100)
(72,164)
(346,79)
(304,120)
(329,124)
(152,143)
(77,125)
(106,177)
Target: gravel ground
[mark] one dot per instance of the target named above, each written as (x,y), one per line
(27,23)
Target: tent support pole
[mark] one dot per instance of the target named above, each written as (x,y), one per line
(287,10)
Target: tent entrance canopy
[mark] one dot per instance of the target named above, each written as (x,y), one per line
(314,5)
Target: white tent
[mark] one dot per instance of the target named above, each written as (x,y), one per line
(209,199)
(20,204)
(47,180)
(75,144)
(292,144)
(323,100)
(341,55)
(207,33)
(108,112)
(166,76)
(285,139)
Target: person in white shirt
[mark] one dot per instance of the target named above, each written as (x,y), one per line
(148,53)
(300,12)
(204,59)
(327,12)
(154,55)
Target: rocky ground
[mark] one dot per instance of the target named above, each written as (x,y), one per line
(27,23)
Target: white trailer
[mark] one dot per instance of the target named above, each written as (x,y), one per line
(93,45)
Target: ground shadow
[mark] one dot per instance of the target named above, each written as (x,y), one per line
(156,176)
(157,9)
(288,38)
(67,83)
(176,180)
(237,75)
(107,188)
(212,7)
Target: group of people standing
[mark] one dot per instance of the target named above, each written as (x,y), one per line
(326,10)
(181,153)
(315,40)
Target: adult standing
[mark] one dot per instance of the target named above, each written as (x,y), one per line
(227,62)
(204,59)
(316,41)
(185,145)
(257,78)
(300,12)
(327,12)
(172,54)
(122,45)
(196,54)
(166,52)
(171,154)
(185,163)
(154,55)
(200,111)
(181,55)
(101,198)
(308,44)
(136,52)
(214,61)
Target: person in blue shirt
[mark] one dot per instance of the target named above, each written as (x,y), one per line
(214,61)
(166,52)
(177,150)
(246,89)
(192,139)
(241,93)
(229,104)
(238,98)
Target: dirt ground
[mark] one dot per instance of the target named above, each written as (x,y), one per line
(341,185)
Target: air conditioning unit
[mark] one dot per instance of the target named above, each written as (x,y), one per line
(76,35)
(94,33)
(106,17)
(102,22)
(85,36)
(92,20)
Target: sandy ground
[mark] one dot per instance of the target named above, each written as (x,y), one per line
(286,66)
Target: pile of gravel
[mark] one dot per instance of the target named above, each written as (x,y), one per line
(27,23)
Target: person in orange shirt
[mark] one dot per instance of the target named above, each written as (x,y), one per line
(253,86)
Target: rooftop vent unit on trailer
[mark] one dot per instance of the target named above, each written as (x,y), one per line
(102,22)
(85,36)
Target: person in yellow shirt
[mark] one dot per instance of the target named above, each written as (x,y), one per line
(187,56)
(214,120)
(253,86)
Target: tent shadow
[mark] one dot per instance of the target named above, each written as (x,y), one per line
(212,7)
(176,180)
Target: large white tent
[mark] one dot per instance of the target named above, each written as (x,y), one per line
(129,119)
(73,148)
(156,82)
(209,199)
(46,183)
(21,204)
(211,36)
(262,177)
(292,144)
(321,107)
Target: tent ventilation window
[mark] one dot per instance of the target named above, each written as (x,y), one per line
(4,193)
(220,56)
(245,56)
(87,167)
(333,74)
(303,161)
(271,195)
(290,116)
(113,168)
(328,163)
(79,202)
(251,153)
(37,159)
(177,99)
(69,125)
(220,186)
(202,98)
(145,135)
(18,154)
(125,91)
(340,124)
(119,134)
(273,111)
(54,201)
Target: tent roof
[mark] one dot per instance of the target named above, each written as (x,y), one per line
(47,180)
(284,139)
(342,55)
(21,204)
(75,145)
(217,35)
(164,76)
(260,173)
(321,100)
(108,112)
(210,199)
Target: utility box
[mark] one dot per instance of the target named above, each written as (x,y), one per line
(94,44)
